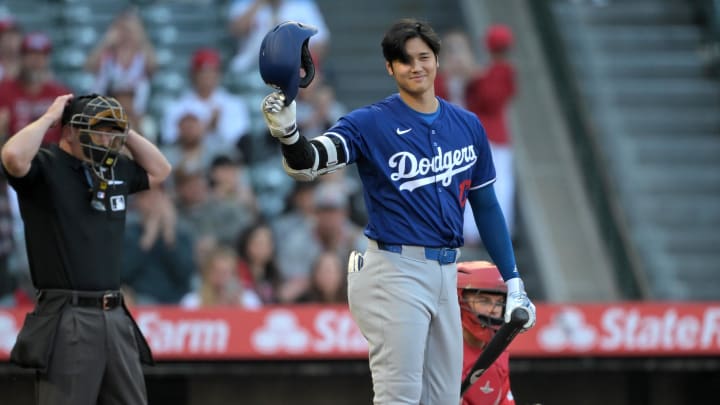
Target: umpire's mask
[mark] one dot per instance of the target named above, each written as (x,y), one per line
(103,128)
(283,51)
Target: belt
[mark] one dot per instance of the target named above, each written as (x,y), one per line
(105,300)
(441,255)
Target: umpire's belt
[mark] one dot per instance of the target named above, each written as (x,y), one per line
(441,255)
(105,300)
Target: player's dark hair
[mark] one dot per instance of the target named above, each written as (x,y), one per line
(393,44)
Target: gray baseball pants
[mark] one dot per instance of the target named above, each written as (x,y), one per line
(406,307)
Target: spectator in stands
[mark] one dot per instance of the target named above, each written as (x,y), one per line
(158,263)
(328,281)
(193,146)
(125,57)
(257,268)
(230,182)
(218,220)
(331,230)
(457,67)
(220,285)
(226,117)
(250,20)
(317,108)
(299,210)
(10,42)
(139,120)
(25,98)
(486,91)
(489,96)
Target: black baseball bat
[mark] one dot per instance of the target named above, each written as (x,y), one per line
(495,347)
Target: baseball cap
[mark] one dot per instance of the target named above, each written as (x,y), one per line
(330,195)
(204,58)
(498,38)
(8,23)
(36,42)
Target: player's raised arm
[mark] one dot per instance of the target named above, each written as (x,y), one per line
(286,65)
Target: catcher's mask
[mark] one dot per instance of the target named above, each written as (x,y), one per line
(103,128)
(474,280)
(283,51)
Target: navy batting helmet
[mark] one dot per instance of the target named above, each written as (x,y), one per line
(283,52)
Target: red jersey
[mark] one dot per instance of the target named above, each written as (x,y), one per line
(441,89)
(25,108)
(488,95)
(493,387)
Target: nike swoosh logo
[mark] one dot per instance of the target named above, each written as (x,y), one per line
(402,131)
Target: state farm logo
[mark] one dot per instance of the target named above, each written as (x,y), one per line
(332,331)
(184,335)
(281,331)
(632,329)
(8,332)
(567,330)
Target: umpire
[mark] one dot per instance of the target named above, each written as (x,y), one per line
(80,337)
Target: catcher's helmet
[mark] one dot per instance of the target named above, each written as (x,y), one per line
(103,126)
(479,277)
(283,51)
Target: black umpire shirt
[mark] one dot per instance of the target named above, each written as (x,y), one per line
(71,245)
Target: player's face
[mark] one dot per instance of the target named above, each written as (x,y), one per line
(486,304)
(417,76)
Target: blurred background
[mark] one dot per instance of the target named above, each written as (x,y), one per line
(603,118)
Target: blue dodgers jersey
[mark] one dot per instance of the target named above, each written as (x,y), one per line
(416,175)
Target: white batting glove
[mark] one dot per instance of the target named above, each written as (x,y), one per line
(355,261)
(279,118)
(517,298)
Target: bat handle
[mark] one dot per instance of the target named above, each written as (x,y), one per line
(519,316)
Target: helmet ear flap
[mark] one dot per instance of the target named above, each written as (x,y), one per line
(306,62)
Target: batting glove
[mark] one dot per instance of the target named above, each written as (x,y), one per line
(517,298)
(355,261)
(280,119)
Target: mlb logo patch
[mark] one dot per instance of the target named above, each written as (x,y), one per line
(117,203)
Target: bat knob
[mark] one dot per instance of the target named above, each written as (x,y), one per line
(519,316)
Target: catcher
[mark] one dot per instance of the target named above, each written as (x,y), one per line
(481,292)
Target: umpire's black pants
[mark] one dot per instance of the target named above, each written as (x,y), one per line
(94,361)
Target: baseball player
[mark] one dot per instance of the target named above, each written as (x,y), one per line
(481,293)
(419,159)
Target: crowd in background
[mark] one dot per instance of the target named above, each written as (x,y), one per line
(207,237)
